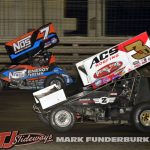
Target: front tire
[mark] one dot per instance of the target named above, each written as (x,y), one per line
(62,119)
(55,79)
(141,117)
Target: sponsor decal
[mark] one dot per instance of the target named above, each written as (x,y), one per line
(98,82)
(136,62)
(17,74)
(104,100)
(23,73)
(108,69)
(11,139)
(50,42)
(112,76)
(53,40)
(137,66)
(32,138)
(116,77)
(106,79)
(118,73)
(114,94)
(99,59)
(22,44)
(37,72)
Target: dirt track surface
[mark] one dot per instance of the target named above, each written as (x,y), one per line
(16,115)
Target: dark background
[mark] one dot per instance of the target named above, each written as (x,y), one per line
(126,17)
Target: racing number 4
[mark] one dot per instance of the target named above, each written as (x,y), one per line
(142,50)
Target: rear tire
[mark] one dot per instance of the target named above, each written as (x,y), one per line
(62,119)
(141,117)
(55,79)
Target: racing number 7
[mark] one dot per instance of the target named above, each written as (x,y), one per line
(46,31)
(142,50)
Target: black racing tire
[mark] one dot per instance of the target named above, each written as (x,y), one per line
(62,119)
(141,117)
(55,79)
(43,118)
(1,85)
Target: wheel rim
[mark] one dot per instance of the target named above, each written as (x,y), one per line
(58,84)
(145,118)
(63,118)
